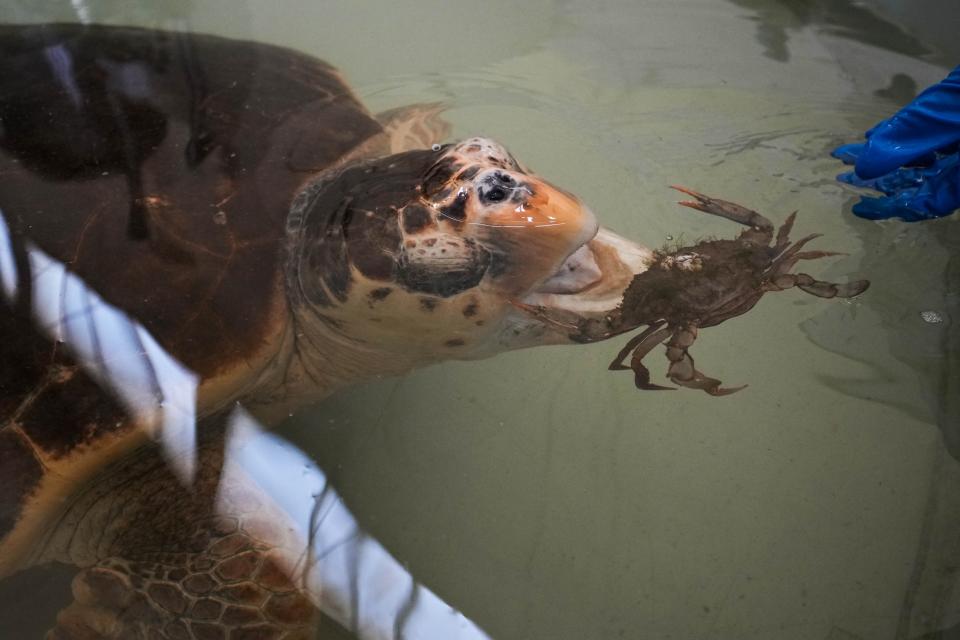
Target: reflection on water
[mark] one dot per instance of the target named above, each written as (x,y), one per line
(846,19)
(548,498)
(922,284)
(901,90)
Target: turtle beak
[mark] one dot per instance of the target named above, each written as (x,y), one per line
(537,228)
(570,265)
(587,267)
(547,250)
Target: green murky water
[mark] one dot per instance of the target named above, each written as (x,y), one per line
(546,497)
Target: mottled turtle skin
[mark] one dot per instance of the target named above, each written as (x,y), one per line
(238,202)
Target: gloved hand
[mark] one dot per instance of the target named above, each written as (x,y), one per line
(912,157)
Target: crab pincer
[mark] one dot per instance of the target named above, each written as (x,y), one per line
(724,209)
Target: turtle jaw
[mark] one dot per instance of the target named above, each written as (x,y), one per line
(589,284)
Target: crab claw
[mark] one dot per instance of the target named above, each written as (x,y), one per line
(831,289)
(559,318)
(819,288)
(580,329)
(724,209)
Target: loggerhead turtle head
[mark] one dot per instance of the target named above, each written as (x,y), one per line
(423,256)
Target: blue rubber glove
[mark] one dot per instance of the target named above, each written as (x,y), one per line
(912,157)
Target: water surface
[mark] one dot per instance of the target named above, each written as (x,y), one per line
(548,498)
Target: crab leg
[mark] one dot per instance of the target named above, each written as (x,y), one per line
(725,209)
(697,380)
(641,346)
(682,369)
(791,252)
(783,268)
(636,341)
(783,233)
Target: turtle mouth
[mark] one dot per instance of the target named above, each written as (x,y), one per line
(577,273)
(592,280)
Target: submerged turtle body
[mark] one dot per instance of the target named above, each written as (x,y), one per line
(147,158)
(259,228)
(161,175)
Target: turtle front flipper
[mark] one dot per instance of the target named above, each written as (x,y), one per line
(255,548)
(159,560)
(232,589)
(416,126)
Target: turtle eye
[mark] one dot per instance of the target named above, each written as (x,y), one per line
(496,187)
(495,195)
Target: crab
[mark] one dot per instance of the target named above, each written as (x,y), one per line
(700,286)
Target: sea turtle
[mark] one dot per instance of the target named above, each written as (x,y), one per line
(257,224)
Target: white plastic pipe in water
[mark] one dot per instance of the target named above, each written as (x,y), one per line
(349,575)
